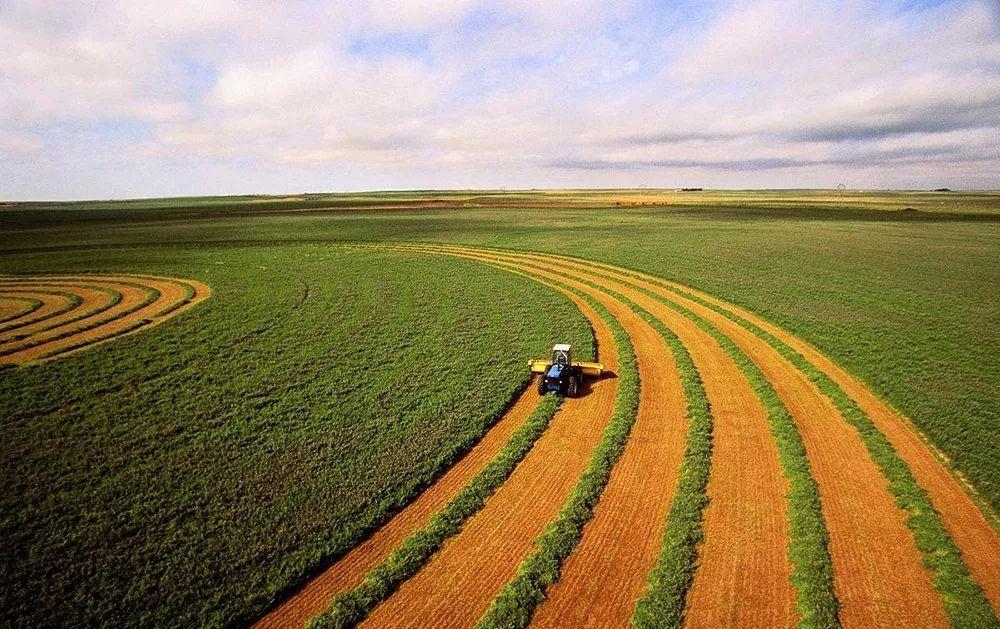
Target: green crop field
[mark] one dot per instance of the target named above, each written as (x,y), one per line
(201,470)
(309,398)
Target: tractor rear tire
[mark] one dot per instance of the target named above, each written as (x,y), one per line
(574,386)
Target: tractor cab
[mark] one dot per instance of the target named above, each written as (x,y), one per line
(561,354)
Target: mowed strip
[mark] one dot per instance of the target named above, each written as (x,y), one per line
(457,585)
(91,303)
(128,303)
(606,572)
(879,577)
(966,524)
(743,575)
(52,304)
(15,307)
(348,571)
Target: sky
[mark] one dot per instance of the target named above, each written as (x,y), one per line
(140,99)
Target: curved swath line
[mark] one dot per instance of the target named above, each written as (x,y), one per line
(875,557)
(49,309)
(143,314)
(33,314)
(81,326)
(163,298)
(68,317)
(54,329)
(747,511)
(458,584)
(33,305)
(348,571)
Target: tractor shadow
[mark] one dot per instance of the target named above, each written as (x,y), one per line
(588,383)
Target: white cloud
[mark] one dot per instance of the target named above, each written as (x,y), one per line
(466,91)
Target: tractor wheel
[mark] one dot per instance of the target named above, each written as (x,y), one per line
(541,385)
(574,386)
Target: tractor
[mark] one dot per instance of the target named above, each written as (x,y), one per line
(561,375)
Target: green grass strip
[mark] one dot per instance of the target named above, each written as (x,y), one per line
(808,549)
(964,600)
(662,604)
(808,546)
(517,602)
(351,607)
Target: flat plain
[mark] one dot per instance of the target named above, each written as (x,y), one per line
(809,377)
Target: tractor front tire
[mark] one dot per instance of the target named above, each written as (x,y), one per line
(541,385)
(574,386)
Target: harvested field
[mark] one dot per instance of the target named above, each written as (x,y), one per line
(348,571)
(456,587)
(66,314)
(745,562)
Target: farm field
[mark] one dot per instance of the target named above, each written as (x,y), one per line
(801,426)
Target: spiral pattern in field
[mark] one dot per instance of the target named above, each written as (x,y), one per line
(49,316)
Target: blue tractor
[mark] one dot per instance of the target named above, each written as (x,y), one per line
(561,375)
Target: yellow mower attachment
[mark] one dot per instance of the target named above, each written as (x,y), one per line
(561,375)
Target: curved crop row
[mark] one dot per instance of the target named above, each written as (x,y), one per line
(352,606)
(131,303)
(964,599)
(515,604)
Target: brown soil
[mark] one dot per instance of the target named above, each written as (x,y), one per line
(743,575)
(95,301)
(349,570)
(110,322)
(51,304)
(878,575)
(965,523)
(457,585)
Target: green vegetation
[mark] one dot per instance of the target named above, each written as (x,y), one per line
(351,607)
(905,300)
(808,544)
(964,600)
(516,603)
(808,550)
(265,418)
(197,472)
(662,605)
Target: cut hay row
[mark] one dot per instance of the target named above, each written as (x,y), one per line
(458,584)
(86,310)
(54,304)
(841,503)
(15,307)
(348,571)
